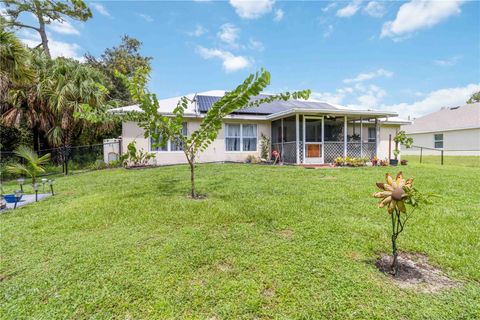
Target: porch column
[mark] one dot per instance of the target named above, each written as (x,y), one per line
(281,137)
(345,133)
(361,138)
(297,136)
(377,136)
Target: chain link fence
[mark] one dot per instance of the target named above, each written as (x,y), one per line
(66,160)
(425,155)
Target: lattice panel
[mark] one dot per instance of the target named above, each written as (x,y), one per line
(369,150)
(289,152)
(301,151)
(354,149)
(332,151)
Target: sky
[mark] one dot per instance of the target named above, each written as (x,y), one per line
(412,57)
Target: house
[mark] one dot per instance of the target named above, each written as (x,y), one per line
(455,130)
(303,132)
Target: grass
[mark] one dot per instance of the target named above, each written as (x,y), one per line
(268,242)
(462,161)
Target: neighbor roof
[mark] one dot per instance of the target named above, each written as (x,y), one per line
(446,119)
(200,104)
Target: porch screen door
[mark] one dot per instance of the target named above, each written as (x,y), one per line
(313,137)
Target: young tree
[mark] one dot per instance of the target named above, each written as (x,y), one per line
(162,128)
(45,12)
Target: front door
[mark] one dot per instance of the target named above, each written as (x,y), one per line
(313,137)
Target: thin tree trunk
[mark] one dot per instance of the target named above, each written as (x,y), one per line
(192,177)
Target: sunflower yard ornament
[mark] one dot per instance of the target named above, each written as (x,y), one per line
(394,195)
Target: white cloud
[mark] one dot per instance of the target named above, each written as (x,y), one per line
(371,98)
(199,31)
(229,34)
(57,48)
(349,10)
(230,61)
(279,13)
(328,31)
(256,45)
(252,9)
(368,76)
(63,27)
(145,17)
(419,14)
(375,9)
(448,97)
(448,62)
(100,8)
(329,7)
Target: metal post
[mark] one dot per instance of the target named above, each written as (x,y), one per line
(441,154)
(345,134)
(297,136)
(421,153)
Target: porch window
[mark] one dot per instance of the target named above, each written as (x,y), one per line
(240,137)
(372,134)
(438,140)
(171,145)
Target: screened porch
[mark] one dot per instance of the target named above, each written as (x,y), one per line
(318,139)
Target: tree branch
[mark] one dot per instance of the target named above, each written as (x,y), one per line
(21,25)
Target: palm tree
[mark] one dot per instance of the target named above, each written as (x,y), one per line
(34,164)
(72,85)
(26,102)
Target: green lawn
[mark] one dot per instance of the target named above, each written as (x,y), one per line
(268,242)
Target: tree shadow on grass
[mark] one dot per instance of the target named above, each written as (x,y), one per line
(172,187)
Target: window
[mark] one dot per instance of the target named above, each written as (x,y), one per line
(438,140)
(372,134)
(175,145)
(241,137)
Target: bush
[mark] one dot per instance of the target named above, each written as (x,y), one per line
(253,159)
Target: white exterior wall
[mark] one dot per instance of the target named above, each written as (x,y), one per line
(455,142)
(215,152)
(387,132)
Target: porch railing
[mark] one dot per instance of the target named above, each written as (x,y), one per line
(287,151)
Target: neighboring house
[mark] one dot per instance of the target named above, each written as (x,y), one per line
(302,131)
(455,130)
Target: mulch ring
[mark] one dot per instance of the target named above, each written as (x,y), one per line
(415,273)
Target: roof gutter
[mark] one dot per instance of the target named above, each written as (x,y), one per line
(378,114)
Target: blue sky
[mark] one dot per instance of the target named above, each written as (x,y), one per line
(411,57)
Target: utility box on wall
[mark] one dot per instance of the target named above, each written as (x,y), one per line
(111,150)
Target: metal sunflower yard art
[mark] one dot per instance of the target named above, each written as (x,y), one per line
(395,195)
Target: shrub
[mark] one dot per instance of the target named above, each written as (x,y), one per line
(135,157)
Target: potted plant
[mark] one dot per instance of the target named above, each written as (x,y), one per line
(400,138)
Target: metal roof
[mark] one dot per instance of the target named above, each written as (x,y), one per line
(205,102)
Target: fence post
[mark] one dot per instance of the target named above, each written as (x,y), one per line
(65,159)
(441,154)
(421,152)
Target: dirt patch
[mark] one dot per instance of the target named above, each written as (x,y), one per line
(268,292)
(415,273)
(200,196)
(224,267)
(287,234)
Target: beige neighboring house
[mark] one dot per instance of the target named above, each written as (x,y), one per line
(303,132)
(455,130)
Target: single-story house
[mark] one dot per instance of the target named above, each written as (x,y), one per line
(302,131)
(455,130)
